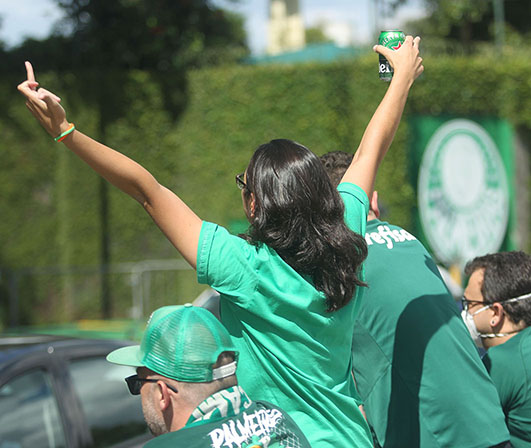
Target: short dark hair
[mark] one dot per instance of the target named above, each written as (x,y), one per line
(506,275)
(224,358)
(335,164)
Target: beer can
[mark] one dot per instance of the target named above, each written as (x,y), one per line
(392,39)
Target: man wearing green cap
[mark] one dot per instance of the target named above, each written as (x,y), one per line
(186,376)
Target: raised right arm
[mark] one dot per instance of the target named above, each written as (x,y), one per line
(383,125)
(176,220)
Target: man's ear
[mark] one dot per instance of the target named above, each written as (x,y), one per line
(164,396)
(497,315)
(373,203)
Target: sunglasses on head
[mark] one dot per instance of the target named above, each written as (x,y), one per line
(134,383)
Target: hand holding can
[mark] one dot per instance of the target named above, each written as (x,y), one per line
(392,39)
(403,58)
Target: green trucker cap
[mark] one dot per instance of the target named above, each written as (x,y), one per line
(181,342)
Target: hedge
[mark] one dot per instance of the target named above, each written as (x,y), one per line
(50,202)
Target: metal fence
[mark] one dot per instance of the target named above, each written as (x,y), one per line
(62,294)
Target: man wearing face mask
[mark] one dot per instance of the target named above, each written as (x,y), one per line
(497,312)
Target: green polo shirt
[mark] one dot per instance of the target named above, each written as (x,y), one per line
(292,351)
(416,367)
(509,365)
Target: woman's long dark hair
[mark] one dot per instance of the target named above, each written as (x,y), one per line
(300,215)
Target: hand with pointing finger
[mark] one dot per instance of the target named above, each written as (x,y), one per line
(44,105)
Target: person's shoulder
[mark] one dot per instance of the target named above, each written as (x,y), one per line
(504,355)
(247,424)
(211,227)
(281,418)
(169,440)
(279,412)
(525,345)
(267,405)
(526,335)
(525,351)
(509,364)
(217,234)
(354,190)
(356,205)
(373,225)
(381,233)
(225,260)
(194,436)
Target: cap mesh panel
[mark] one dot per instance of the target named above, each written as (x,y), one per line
(185,344)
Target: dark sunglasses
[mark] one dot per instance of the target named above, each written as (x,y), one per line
(465,303)
(134,383)
(240,182)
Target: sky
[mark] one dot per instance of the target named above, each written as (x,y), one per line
(347,20)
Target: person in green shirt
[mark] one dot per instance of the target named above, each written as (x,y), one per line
(416,368)
(287,286)
(186,376)
(497,310)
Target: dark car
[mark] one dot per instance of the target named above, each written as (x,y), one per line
(61,392)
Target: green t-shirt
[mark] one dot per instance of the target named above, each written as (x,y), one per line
(416,367)
(230,419)
(509,365)
(292,351)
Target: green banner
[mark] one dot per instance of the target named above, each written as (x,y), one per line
(463,171)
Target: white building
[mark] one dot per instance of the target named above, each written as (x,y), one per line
(285,27)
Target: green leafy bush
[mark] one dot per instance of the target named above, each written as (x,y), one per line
(50,201)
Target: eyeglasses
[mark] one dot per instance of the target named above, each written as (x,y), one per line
(240,182)
(466,303)
(134,383)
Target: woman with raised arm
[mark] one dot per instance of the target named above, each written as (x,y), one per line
(287,287)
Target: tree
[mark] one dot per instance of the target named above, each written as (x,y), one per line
(160,35)
(152,34)
(469,21)
(316,35)
(100,39)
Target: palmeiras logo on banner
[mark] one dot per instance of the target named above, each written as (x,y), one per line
(462,192)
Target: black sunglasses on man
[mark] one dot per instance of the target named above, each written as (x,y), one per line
(134,383)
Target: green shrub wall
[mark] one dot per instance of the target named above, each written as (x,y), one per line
(50,203)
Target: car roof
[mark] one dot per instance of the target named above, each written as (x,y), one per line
(14,347)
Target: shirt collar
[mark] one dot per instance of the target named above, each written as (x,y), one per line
(222,404)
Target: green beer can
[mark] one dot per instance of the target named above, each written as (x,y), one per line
(392,39)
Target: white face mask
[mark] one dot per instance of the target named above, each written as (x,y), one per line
(471,325)
(468,318)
